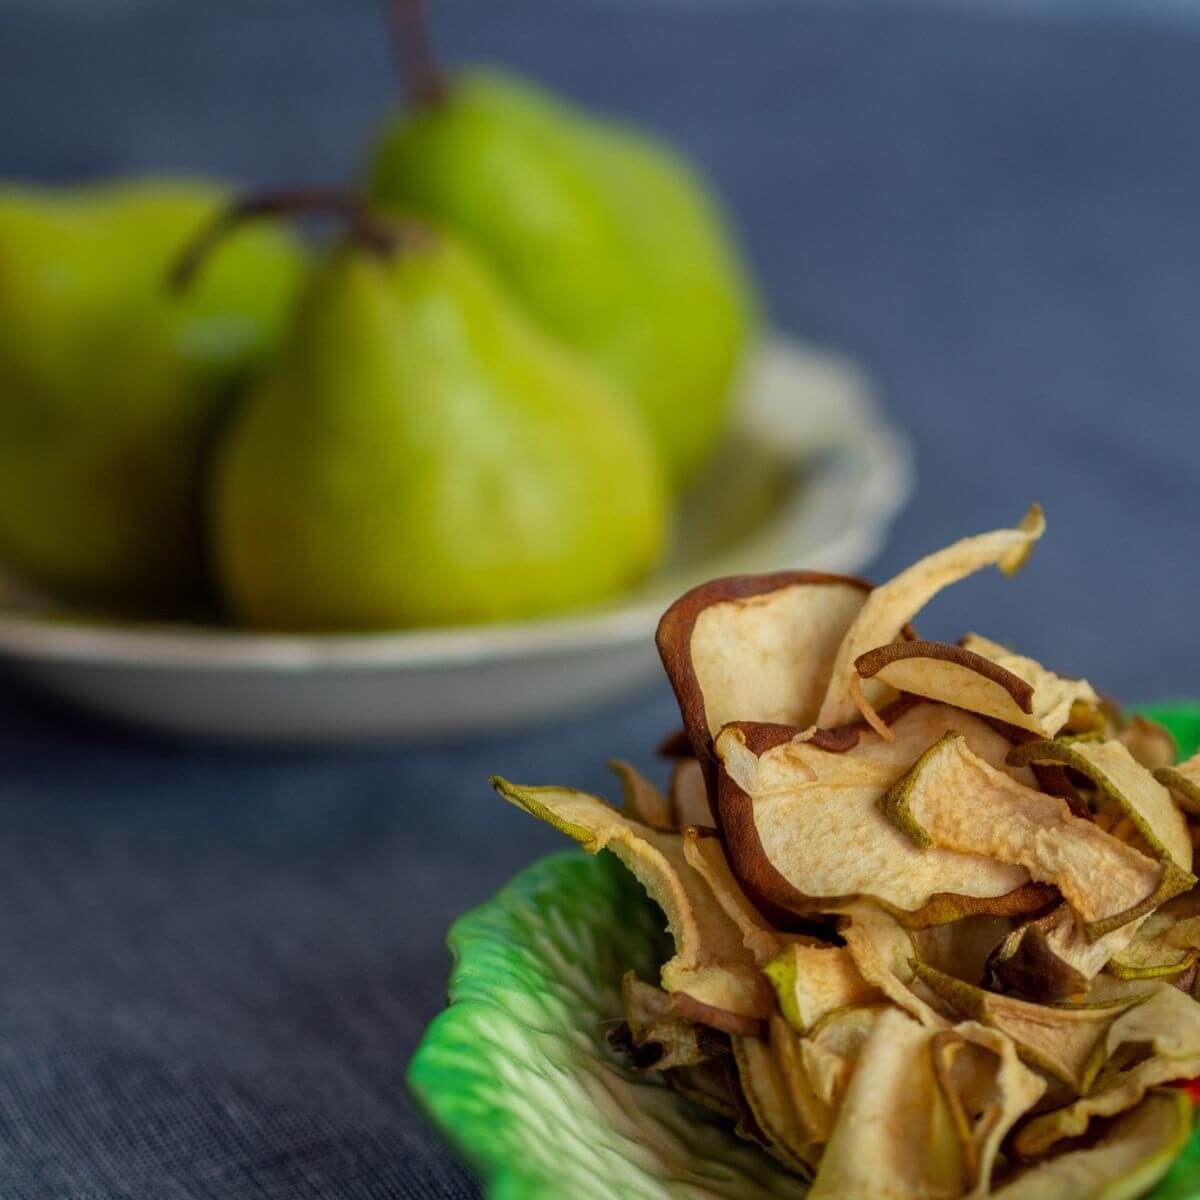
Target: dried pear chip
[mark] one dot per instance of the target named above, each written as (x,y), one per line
(643,801)
(659,1039)
(1030,698)
(1065,1041)
(711,976)
(1167,1025)
(1131,1157)
(883,953)
(765,1087)
(706,856)
(832,1049)
(987,1089)
(1127,783)
(706,1085)
(755,648)
(802,826)
(813,981)
(895,1135)
(1150,958)
(889,607)
(940,803)
(1150,743)
(962,948)
(1050,958)
(689,795)
(814,1112)
(1183,781)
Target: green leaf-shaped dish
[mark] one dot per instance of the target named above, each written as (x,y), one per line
(518,1075)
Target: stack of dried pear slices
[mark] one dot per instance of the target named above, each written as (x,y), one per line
(935,932)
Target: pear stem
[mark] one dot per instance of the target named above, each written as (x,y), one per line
(363,226)
(414,49)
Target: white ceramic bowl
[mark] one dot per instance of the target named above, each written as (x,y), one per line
(811,477)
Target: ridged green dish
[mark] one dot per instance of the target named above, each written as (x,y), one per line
(518,1075)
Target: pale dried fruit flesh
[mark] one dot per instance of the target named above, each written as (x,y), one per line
(940,948)
(953,800)
(712,977)
(1131,1157)
(889,607)
(804,826)
(1005,687)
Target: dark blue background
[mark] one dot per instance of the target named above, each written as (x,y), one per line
(216,962)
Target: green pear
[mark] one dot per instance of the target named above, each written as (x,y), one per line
(420,454)
(607,237)
(111,385)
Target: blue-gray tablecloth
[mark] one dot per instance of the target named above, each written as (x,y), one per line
(216,962)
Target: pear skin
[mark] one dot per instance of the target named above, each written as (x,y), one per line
(419,454)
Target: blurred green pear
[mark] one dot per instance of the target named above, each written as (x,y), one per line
(607,237)
(112,386)
(420,454)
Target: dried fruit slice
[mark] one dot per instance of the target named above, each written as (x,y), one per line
(1150,743)
(659,1040)
(1050,958)
(706,856)
(1167,1025)
(1150,958)
(689,795)
(895,1135)
(813,981)
(765,1087)
(1125,1163)
(962,948)
(1031,698)
(1127,783)
(1067,1042)
(712,978)
(643,801)
(815,1113)
(832,1049)
(755,648)
(883,953)
(940,801)
(889,607)
(987,1088)
(802,826)
(1183,781)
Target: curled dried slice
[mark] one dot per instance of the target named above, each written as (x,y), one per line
(803,828)
(953,800)
(765,1086)
(1150,958)
(1065,1041)
(755,648)
(1050,958)
(712,978)
(889,607)
(659,1040)
(813,981)
(1183,781)
(895,1135)
(883,953)
(1150,743)
(1164,1031)
(1030,697)
(706,856)
(987,1088)
(1127,783)
(643,801)
(1125,1163)
(689,795)
(832,1049)
(813,1110)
